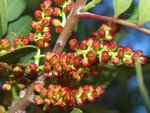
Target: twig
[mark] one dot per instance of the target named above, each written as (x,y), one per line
(142,88)
(69,26)
(119,21)
(21,104)
(6,66)
(72,20)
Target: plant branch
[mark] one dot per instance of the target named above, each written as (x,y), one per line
(21,104)
(142,88)
(6,66)
(72,20)
(119,21)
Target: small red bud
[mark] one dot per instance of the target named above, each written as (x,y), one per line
(60,1)
(58,29)
(120,52)
(128,61)
(31,37)
(143,60)
(83,45)
(112,32)
(96,44)
(115,60)
(113,46)
(4,43)
(47,3)
(101,33)
(48,12)
(128,50)
(38,100)
(85,62)
(47,36)
(39,28)
(38,14)
(73,43)
(33,24)
(56,11)
(49,55)
(40,43)
(25,40)
(6,87)
(67,8)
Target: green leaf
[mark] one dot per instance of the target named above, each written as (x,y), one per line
(19,55)
(91,4)
(21,27)
(11,36)
(76,110)
(15,8)
(3,17)
(144,11)
(120,6)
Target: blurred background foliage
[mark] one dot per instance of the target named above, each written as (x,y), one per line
(122,94)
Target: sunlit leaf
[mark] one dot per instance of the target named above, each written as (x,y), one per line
(144,11)
(120,6)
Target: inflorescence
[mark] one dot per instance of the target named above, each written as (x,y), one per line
(86,58)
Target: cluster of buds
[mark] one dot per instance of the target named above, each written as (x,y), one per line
(101,46)
(67,67)
(5,46)
(42,29)
(62,64)
(47,16)
(21,41)
(18,41)
(63,97)
(16,82)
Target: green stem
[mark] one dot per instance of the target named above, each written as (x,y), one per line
(64,19)
(37,57)
(142,88)
(91,4)
(14,93)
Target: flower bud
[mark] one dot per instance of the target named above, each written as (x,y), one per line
(73,44)
(38,14)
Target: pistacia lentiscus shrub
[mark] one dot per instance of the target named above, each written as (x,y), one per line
(53,79)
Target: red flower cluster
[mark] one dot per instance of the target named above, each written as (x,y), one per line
(101,46)
(48,16)
(56,95)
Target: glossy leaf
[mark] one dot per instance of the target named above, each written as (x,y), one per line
(13,11)
(144,11)
(11,36)
(21,27)
(120,6)
(76,110)
(19,55)
(3,17)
